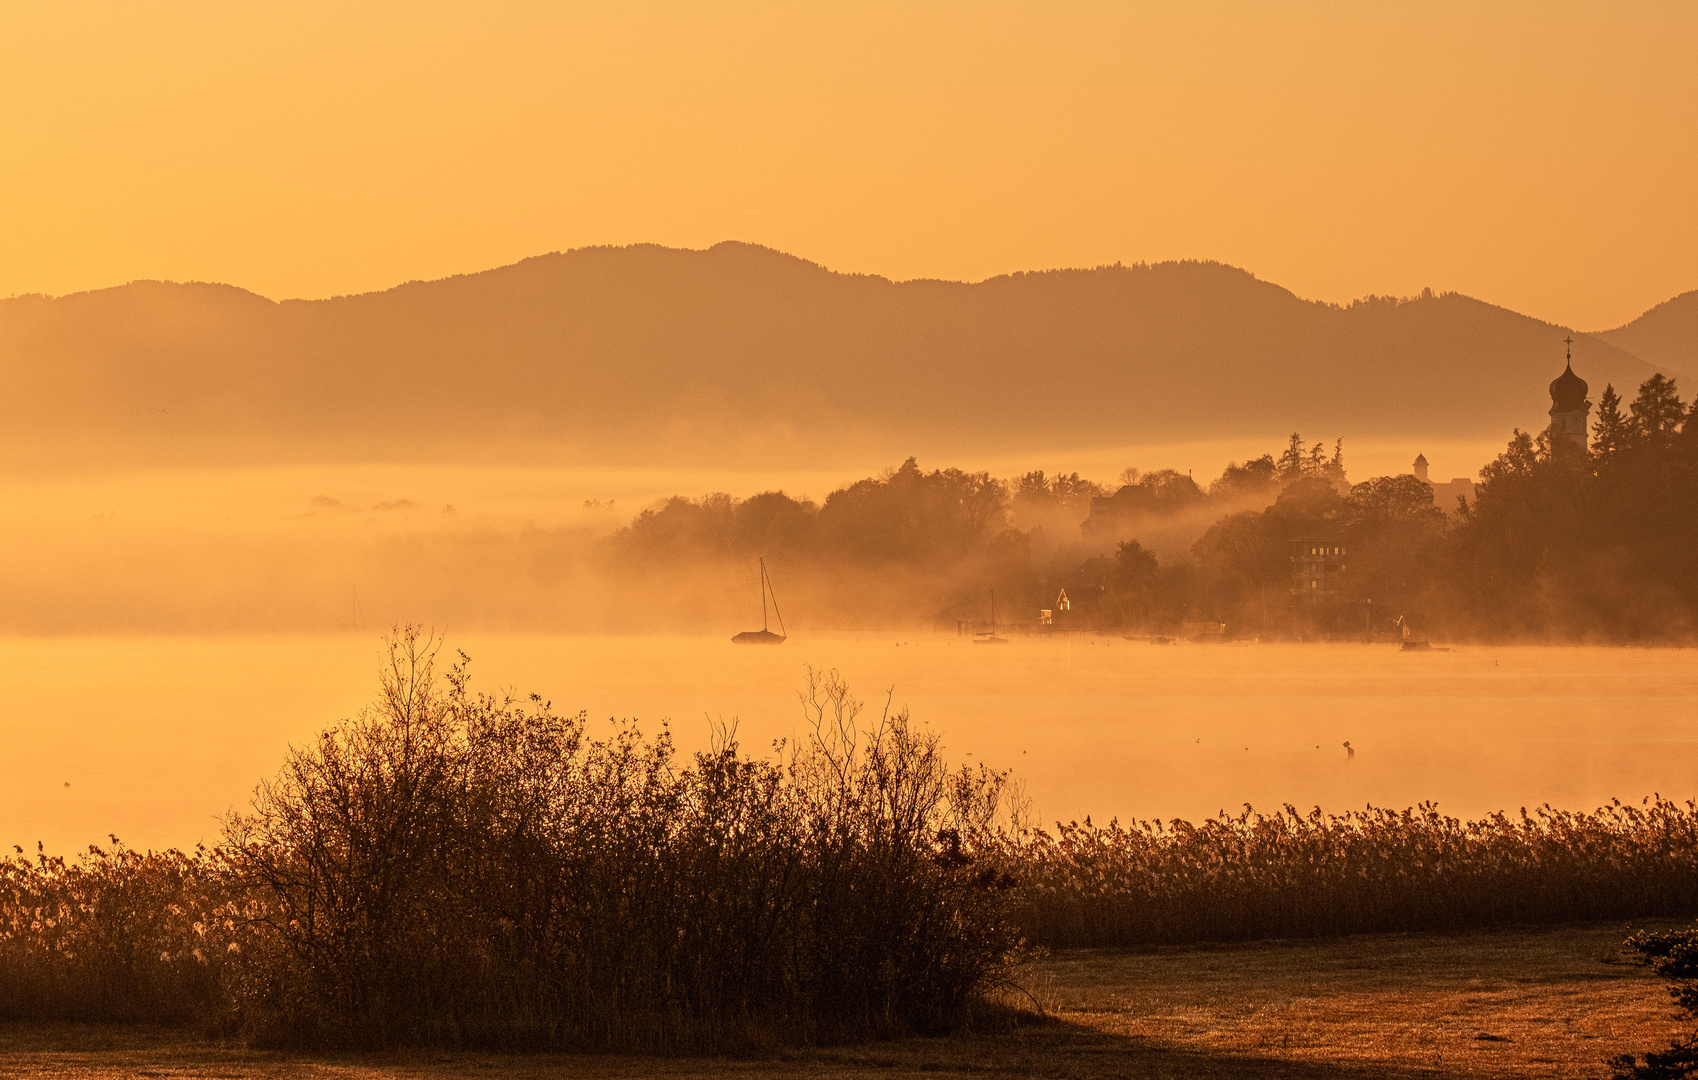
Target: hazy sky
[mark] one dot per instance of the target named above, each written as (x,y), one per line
(1541,155)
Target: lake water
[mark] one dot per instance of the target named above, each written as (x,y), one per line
(152,737)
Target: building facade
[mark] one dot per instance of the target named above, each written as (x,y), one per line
(1318,568)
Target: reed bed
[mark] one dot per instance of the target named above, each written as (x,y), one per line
(1287,875)
(117,935)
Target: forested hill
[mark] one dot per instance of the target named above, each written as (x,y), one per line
(638,351)
(1666,336)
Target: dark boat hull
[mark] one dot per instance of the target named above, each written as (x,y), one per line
(758,637)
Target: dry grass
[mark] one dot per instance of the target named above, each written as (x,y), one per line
(1551,1003)
(1378,1006)
(1254,876)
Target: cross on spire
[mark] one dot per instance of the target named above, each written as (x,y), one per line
(1569,341)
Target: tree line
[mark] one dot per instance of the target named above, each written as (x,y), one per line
(1558,543)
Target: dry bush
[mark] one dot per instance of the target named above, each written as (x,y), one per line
(450,867)
(454,868)
(1294,875)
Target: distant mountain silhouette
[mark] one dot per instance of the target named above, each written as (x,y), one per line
(633,352)
(1666,336)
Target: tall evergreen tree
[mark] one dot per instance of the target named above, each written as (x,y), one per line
(1291,461)
(1317,463)
(1612,431)
(1657,412)
(1335,467)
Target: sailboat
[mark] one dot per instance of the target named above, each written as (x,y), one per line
(763,636)
(359,620)
(988,637)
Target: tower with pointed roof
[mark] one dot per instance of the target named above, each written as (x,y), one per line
(1421,468)
(1568,404)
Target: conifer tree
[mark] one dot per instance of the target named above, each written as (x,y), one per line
(1657,412)
(1317,463)
(1291,461)
(1611,432)
(1335,467)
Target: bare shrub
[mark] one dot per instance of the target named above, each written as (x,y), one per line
(455,867)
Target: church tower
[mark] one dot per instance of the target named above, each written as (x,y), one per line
(1568,404)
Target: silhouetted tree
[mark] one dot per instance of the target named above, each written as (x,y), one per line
(1612,433)
(1309,505)
(719,526)
(1243,561)
(1298,461)
(1686,444)
(1394,541)
(1291,459)
(1657,413)
(1391,500)
(1562,543)
(1134,581)
(773,523)
(1253,477)
(915,516)
(680,526)
(1041,501)
(1170,489)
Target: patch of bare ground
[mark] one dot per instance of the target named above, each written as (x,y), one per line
(1514,1003)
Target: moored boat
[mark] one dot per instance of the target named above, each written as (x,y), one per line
(763,636)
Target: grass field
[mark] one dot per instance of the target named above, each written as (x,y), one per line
(1534,1003)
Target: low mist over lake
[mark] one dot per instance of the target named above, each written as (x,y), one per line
(157,736)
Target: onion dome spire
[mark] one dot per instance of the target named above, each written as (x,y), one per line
(1568,390)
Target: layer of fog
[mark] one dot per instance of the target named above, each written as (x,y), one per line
(322,548)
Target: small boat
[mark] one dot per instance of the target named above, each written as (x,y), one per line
(763,636)
(1422,646)
(988,637)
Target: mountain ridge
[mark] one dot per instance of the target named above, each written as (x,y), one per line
(1665,335)
(611,349)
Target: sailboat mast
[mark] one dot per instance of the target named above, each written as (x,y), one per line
(782,632)
(763,594)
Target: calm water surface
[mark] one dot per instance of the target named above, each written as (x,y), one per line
(152,737)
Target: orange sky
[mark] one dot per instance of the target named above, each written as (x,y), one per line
(1539,155)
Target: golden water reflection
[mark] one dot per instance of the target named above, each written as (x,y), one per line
(152,737)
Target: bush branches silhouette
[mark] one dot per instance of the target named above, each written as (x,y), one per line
(450,867)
